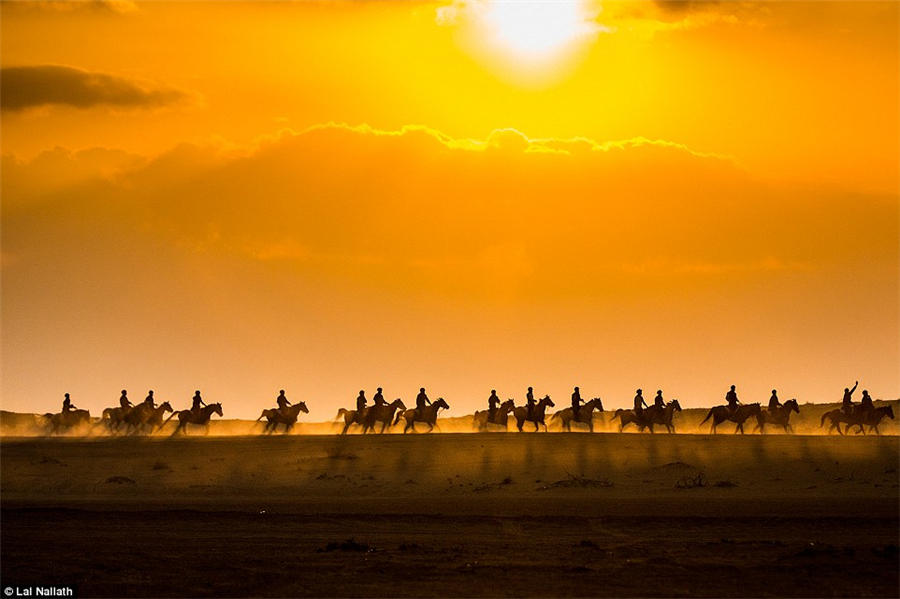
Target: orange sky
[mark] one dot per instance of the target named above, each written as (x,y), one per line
(324,197)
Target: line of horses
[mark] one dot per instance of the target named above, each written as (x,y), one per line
(145,419)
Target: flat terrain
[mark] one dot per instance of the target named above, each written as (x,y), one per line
(454,514)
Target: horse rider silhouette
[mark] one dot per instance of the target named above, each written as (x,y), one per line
(378,399)
(149,401)
(865,404)
(493,402)
(576,402)
(67,405)
(361,401)
(847,402)
(529,403)
(197,402)
(282,402)
(422,400)
(658,401)
(639,403)
(774,402)
(124,401)
(732,399)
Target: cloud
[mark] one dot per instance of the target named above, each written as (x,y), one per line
(115,7)
(40,85)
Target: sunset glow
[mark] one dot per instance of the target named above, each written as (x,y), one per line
(323,197)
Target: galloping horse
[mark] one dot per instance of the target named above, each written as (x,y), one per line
(649,417)
(136,417)
(585,415)
(155,420)
(481,419)
(349,418)
(537,414)
(781,416)
(383,414)
(114,418)
(874,417)
(871,418)
(200,418)
(66,420)
(427,414)
(740,415)
(288,417)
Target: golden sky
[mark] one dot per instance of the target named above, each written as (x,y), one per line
(328,196)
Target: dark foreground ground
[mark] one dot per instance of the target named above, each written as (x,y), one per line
(454,515)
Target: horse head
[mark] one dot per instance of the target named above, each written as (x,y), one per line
(791,405)
(398,404)
(547,401)
(440,403)
(165,406)
(508,405)
(302,407)
(216,409)
(596,403)
(675,405)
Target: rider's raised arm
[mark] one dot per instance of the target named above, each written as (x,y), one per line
(854,387)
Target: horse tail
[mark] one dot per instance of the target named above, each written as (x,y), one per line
(824,416)
(261,416)
(172,415)
(340,413)
(399,416)
(616,415)
(708,415)
(556,415)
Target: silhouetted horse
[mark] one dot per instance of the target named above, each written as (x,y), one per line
(874,417)
(349,417)
(428,415)
(538,413)
(649,417)
(155,420)
(114,418)
(781,416)
(288,417)
(836,417)
(200,418)
(585,415)
(871,418)
(720,414)
(383,414)
(66,420)
(481,420)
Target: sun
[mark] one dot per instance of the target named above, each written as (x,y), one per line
(536,28)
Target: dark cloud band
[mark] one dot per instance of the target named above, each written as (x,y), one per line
(31,86)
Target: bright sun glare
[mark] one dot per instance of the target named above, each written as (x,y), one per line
(534,28)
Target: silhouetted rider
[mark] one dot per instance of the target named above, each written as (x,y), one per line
(529,403)
(732,399)
(774,402)
(361,401)
(282,402)
(865,404)
(422,400)
(847,402)
(124,401)
(67,404)
(378,399)
(197,402)
(576,402)
(493,402)
(658,401)
(639,403)
(149,401)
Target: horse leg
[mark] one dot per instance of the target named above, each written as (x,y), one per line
(535,426)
